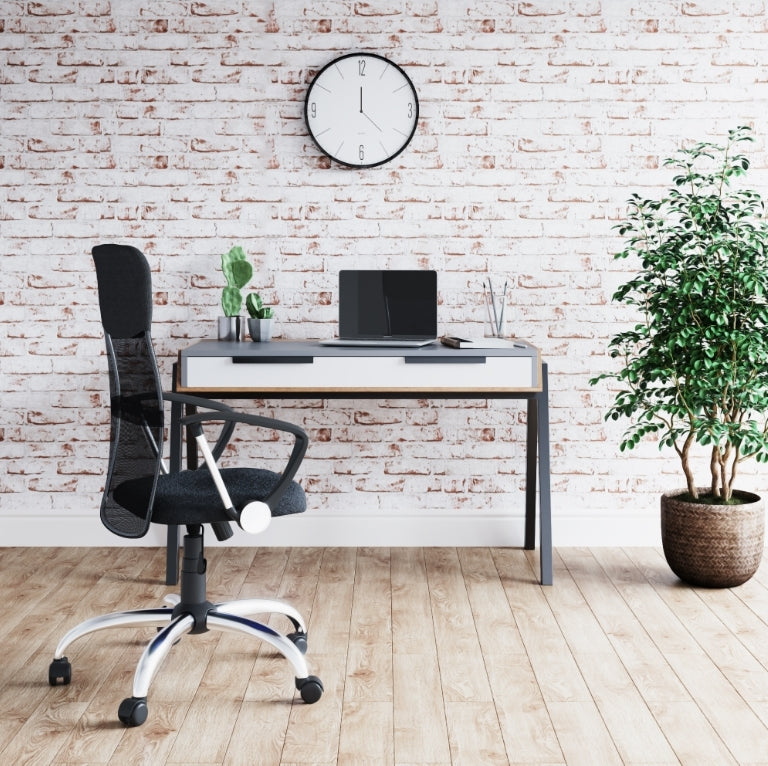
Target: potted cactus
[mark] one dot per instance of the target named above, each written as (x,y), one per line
(260,321)
(238,272)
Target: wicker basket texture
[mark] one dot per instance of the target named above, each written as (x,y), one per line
(713,546)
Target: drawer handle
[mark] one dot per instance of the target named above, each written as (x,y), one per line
(273,359)
(444,359)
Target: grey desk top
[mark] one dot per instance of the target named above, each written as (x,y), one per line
(292,348)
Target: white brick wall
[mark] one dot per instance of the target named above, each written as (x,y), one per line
(177,126)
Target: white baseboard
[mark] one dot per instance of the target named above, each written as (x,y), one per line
(325,530)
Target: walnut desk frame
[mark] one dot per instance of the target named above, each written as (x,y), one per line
(305,369)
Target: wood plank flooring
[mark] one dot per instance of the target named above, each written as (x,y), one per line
(428,656)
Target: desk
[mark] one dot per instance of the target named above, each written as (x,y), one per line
(305,369)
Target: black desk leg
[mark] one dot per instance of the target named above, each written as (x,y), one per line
(172,555)
(537,445)
(531,447)
(172,535)
(545,506)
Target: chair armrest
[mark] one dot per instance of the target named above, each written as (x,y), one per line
(301,441)
(209,404)
(197,401)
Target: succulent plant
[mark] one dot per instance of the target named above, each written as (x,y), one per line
(237,271)
(256,307)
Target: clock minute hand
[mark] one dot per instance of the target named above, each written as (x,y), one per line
(372,122)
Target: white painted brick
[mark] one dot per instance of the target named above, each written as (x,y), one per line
(178,127)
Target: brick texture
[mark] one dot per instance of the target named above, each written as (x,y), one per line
(177,126)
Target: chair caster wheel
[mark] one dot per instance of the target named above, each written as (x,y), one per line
(299,639)
(60,671)
(311,688)
(133,711)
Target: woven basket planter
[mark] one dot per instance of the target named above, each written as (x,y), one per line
(713,546)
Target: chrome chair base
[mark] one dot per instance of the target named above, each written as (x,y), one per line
(197,616)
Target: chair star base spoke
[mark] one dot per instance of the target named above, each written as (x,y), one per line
(156,652)
(138,618)
(236,624)
(247,607)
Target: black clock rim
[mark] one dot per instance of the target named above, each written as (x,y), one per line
(353,55)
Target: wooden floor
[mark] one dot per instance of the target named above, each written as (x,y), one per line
(428,656)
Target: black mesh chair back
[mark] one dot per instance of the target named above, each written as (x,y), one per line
(136,439)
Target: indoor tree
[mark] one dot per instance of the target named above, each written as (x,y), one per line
(694,368)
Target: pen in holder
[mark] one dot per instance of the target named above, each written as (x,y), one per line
(496,304)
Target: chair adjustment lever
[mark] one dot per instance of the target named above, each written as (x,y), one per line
(222,530)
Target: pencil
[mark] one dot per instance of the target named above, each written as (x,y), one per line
(493,303)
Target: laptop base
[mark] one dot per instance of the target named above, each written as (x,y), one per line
(379,342)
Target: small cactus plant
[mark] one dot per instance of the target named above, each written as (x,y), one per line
(256,307)
(237,272)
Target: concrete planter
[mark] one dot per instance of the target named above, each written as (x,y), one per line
(260,330)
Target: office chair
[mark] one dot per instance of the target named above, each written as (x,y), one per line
(140,490)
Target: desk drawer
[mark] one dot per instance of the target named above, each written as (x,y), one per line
(356,373)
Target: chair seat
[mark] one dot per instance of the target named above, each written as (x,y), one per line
(191,497)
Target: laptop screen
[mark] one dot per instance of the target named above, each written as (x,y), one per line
(385,304)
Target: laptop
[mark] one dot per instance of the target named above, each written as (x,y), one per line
(386,308)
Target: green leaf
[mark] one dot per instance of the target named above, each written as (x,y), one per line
(242,271)
(231,301)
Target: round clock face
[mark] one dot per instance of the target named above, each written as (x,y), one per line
(361,110)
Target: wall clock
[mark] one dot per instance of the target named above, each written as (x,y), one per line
(361,110)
